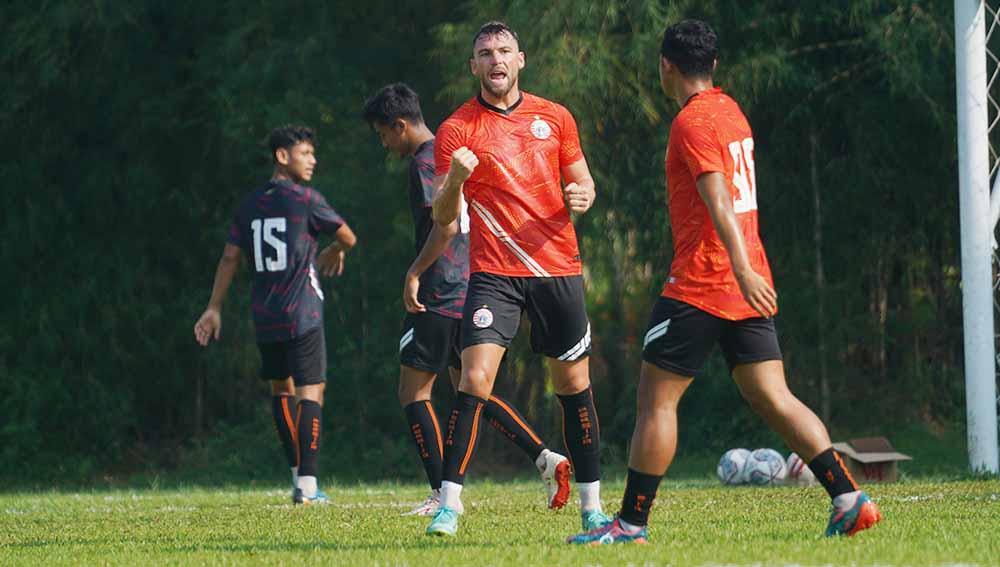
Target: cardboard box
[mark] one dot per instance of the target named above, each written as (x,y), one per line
(871,459)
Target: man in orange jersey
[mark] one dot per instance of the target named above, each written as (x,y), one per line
(507,153)
(719,291)
(434,292)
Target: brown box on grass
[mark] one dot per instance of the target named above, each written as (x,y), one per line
(871,459)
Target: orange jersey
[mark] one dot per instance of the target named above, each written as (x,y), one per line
(520,225)
(711,134)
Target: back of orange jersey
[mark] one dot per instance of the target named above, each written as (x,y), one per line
(711,134)
(520,225)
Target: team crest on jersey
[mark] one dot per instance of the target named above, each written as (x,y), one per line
(482,318)
(540,129)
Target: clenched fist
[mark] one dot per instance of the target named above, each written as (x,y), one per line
(463,162)
(578,197)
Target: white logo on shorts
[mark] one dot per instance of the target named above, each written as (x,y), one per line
(482,318)
(540,129)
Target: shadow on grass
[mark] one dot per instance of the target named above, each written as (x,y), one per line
(424,542)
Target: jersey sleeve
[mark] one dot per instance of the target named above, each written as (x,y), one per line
(422,182)
(570,151)
(448,139)
(322,217)
(699,147)
(235,236)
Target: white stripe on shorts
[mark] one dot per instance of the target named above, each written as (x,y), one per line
(656,332)
(407,338)
(579,348)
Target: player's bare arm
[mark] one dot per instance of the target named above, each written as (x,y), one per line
(331,260)
(437,242)
(210,323)
(579,192)
(448,202)
(715,192)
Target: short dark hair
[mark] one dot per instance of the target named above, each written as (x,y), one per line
(492,28)
(691,46)
(289,135)
(391,103)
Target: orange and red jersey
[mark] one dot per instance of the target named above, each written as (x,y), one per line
(520,225)
(711,134)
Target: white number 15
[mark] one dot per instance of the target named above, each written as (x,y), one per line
(270,227)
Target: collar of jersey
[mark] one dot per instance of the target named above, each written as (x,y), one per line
(504,111)
(711,90)
(421,147)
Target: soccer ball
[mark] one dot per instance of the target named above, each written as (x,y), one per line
(765,466)
(731,465)
(798,471)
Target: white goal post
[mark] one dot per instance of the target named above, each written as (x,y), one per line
(978,113)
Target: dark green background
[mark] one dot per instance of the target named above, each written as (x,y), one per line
(129,130)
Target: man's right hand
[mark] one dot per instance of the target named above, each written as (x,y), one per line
(463,162)
(208,326)
(411,288)
(758,293)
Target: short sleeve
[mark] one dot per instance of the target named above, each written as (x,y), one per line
(699,147)
(449,138)
(235,236)
(422,181)
(322,218)
(570,151)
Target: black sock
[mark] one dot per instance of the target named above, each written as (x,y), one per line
(310,425)
(831,472)
(427,436)
(582,435)
(512,425)
(640,491)
(281,408)
(463,436)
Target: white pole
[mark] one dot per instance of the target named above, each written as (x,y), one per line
(977,235)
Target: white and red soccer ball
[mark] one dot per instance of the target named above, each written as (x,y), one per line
(798,471)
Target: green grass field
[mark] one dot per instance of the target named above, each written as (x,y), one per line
(694,523)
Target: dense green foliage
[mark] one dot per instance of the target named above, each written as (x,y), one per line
(130,129)
(694,523)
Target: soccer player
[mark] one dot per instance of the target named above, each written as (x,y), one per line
(507,152)
(434,290)
(276,227)
(719,291)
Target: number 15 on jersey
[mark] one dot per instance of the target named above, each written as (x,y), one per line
(744,176)
(266,229)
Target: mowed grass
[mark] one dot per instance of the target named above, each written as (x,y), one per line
(694,523)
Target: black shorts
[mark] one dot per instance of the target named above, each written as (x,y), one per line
(680,337)
(303,358)
(555,306)
(429,342)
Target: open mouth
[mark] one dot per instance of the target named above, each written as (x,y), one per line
(497,75)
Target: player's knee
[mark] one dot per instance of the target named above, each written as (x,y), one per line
(658,410)
(405,394)
(283,387)
(571,384)
(766,402)
(312,392)
(414,385)
(410,392)
(477,381)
